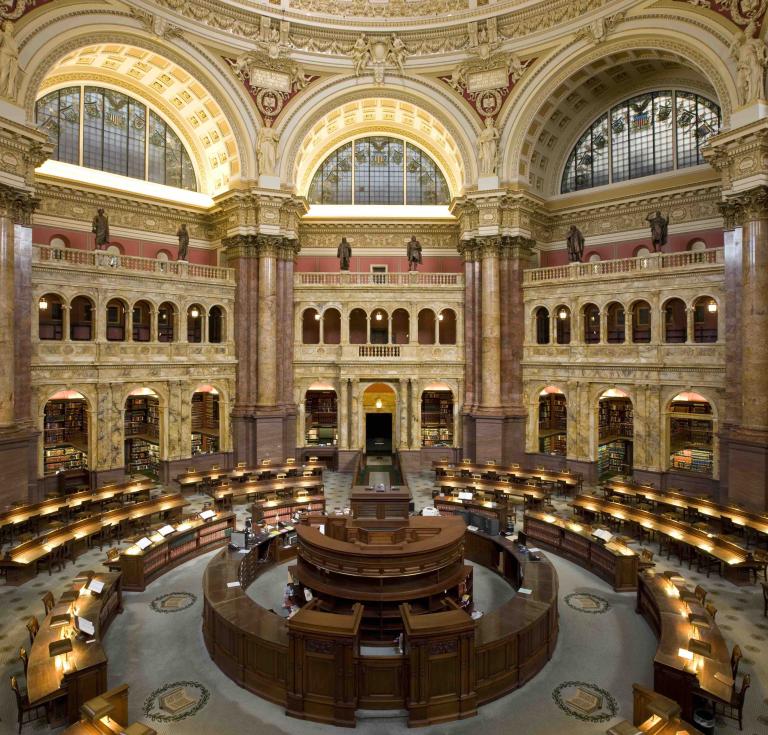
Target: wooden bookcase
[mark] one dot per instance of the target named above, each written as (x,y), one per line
(205,423)
(436,418)
(65,436)
(321,418)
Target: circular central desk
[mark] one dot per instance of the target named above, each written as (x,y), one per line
(317,664)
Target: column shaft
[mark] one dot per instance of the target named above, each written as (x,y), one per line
(491,332)
(7,331)
(267,336)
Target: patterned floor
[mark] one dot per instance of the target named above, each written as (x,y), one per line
(604,646)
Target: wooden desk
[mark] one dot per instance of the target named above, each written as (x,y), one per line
(570,479)
(65,504)
(226,493)
(380,505)
(614,562)
(186,479)
(491,517)
(190,539)
(20,562)
(702,506)
(274,511)
(662,602)
(736,561)
(503,488)
(87,676)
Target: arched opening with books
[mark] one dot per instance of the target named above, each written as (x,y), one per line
(142,432)
(437,422)
(615,433)
(66,428)
(691,423)
(553,421)
(206,420)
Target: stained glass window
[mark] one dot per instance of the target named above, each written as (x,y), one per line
(378,170)
(114,130)
(649,134)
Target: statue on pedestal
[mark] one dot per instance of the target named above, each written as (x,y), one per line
(487,142)
(751,55)
(100,228)
(267,152)
(344,254)
(414,254)
(9,61)
(658,230)
(183,234)
(575,242)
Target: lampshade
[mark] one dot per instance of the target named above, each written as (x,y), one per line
(43,304)
(194,313)
(712,307)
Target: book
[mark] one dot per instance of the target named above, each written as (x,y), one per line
(585,701)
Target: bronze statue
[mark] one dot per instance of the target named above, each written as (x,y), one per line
(575,242)
(344,254)
(658,230)
(183,234)
(100,228)
(414,253)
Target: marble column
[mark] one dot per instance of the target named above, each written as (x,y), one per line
(689,314)
(402,398)
(490,323)
(415,415)
(343,414)
(267,334)
(7,317)
(66,315)
(354,424)
(469,325)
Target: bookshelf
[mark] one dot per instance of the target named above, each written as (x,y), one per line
(142,456)
(553,423)
(436,419)
(65,436)
(142,432)
(321,418)
(205,422)
(691,440)
(615,419)
(614,458)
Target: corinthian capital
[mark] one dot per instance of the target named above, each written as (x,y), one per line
(488,246)
(17,204)
(751,204)
(517,246)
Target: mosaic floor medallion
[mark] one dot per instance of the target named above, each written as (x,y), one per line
(176,701)
(173,602)
(585,701)
(587,603)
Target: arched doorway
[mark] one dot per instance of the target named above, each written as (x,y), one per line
(142,432)
(65,433)
(206,420)
(437,416)
(379,407)
(320,417)
(553,422)
(691,434)
(615,429)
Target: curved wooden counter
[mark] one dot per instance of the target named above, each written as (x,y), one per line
(295,665)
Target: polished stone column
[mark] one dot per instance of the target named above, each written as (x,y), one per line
(267,315)
(354,424)
(490,339)
(415,417)
(403,405)
(343,414)
(7,317)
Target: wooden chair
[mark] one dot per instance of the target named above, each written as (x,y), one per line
(735,708)
(24,708)
(701,594)
(711,609)
(48,602)
(646,559)
(765,599)
(24,658)
(32,626)
(735,661)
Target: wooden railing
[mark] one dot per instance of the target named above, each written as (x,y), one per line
(348,278)
(646,264)
(104,261)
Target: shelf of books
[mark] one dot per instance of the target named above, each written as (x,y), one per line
(553,443)
(205,423)
(691,443)
(142,456)
(436,418)
(321,418)
(65,436)
(142,416)
(614,458)
(692,460)
(615,418)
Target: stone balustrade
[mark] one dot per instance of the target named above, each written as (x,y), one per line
(348,278)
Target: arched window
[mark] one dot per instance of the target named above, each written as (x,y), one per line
(542,326)
(446,327)
(81,319)
(641,322)
(563,325)
(675,324)
(141,321)
(705,319)
(166,315)
(195,317)
(118,134)
(116,321)
(331,327)
(426,321)
(615,323)
(642,136)
(358,327)
(310,327)
(591,324)
(216,325)
(379,327)
(401,327)
(51,317)
(378,170)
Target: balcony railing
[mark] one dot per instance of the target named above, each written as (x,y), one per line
(348,278)
(645,265)
(103,261)
(379,351)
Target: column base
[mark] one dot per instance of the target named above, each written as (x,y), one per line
(747,461)
(266,433)
(18,458)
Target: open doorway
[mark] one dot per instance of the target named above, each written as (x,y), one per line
(378,433)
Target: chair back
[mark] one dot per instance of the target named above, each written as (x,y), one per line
(646,555)
(735,659)
(24,657)
(745,683)
(48,602)
(32,626)
(701,594)
(17,692)
(711,609)
(765,590)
